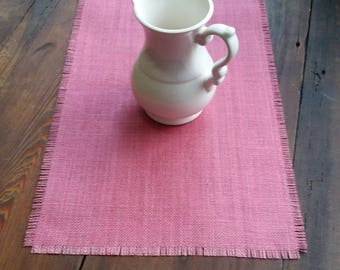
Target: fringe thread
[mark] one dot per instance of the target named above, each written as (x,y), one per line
(168,251)
(294,199)
(52,136)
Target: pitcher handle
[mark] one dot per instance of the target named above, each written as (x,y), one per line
(220,68)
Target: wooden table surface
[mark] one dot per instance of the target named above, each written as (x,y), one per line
(305,35)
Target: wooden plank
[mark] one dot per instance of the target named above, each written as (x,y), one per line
(318,141)
(178,263)
(289,22)
(29,75)
(11,14)
(289,25)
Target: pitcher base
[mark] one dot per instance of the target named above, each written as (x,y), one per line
(173,122)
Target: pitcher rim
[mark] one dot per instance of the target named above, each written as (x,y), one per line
(175,31)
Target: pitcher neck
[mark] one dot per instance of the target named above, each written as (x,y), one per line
(171,47)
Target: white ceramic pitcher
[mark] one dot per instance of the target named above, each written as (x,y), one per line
(174,77)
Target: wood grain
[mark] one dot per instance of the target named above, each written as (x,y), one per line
(11,14)
(178,263)
(318,140)
(33,49)
(289,25)
(305,36)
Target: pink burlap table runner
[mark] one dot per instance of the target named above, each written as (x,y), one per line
(115,182)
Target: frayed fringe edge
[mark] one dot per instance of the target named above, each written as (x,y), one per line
(46,163)
(168,251)
(294,199)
